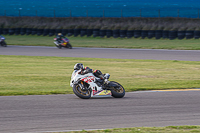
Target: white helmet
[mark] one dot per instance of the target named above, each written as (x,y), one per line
(78,66)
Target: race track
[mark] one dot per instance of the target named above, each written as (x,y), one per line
(35,114)
(51,113)
(187,55)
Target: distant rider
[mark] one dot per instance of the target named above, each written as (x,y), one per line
(59,37)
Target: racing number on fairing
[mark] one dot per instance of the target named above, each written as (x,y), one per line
(88,79)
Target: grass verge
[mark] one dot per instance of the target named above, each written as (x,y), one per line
(135,43)
(168,129)
(35,75)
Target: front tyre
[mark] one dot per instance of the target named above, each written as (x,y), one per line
(69,46)
(58,46)
(117,92)
(84,94)
(4,44)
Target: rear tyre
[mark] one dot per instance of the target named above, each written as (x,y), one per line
(84,94)
(117,92)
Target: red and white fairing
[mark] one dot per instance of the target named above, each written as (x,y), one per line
(89,78)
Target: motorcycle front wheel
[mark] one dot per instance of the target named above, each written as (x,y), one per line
(84,94)
(117,92)
(69,46)
(4,44)
(59,46)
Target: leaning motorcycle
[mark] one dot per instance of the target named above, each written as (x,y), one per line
(87,86)
(64,43)
(2,41)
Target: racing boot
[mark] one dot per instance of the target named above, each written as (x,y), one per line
(99,82)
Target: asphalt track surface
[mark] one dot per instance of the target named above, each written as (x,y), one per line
(57,113)
(49,113)
(187,55)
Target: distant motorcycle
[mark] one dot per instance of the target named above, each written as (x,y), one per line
(2,41)
(64,43)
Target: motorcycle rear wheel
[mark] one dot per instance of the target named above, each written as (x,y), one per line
(119,92)
(84,94)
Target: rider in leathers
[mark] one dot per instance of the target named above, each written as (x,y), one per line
(59,37)
(79,68)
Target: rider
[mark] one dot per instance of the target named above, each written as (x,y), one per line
(79,68)
(59,37)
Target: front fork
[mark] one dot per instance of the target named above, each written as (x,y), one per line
(82,86)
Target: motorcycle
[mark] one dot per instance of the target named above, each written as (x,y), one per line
(2,41)
(64,43)
(87,86)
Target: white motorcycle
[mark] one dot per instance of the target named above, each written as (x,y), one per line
(87,86)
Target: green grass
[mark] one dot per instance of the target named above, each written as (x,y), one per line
(34,40)
(168,129)
(35,75)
